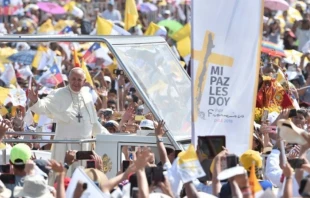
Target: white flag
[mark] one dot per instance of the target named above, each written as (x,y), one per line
(226,40)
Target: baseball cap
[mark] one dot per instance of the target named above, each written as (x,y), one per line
(22,152)
(111,2)
(249,157)
(168,12)
(147,124)
(66,183)
(107,78)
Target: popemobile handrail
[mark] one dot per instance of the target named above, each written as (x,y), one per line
(80,142)
(30,133)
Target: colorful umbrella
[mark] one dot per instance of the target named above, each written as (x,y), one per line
(147,7)
(51,7)
(24,57)
(173,25)
(272,49)
(276,4)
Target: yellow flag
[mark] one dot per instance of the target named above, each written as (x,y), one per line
(280,76)
(46,27)
(131,14)
(76,60)
(69,6)
(254,184)
(88,76)
(5,52)
(152,29)
(37,58)
(61,24)
(182,33)
(104,27)
(4,92)
(3,110)
(184,47)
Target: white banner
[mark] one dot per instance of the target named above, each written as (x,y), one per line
(226,37)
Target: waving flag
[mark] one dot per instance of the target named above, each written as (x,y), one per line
(105,27)
(155,30)
(52,77)
(131,14)
(7,8)
(88,76)
(40,59)
(66,30)
(8,76)
(89,55)
(17,97)
(186,167)
(254,184)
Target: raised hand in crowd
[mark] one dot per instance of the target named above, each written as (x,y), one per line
(98,161)
(143,156)
(128,113)
(216,184)
(56,166)
(60,169)
(3,129)
(79,189)
(70,157)
(294,152)
(288,173)
(166,187)
(30,168)
(159,130)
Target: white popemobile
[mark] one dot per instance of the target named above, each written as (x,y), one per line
(159,78)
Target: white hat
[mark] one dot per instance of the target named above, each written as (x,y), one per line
(289,132)
(147,124)
(107,78)
(231,172)
(167,12)
(4,192)
(34,186)
(22,46)
(77,12)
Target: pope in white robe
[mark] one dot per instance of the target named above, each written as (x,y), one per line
(73,110)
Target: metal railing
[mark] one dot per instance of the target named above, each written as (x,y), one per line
(80,142)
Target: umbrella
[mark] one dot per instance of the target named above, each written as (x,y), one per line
(272,49)
(293,56)
(147,7)
(25,57)
(52,8)
(173,25)
(276,4)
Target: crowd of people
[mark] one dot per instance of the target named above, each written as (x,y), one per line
(77,91)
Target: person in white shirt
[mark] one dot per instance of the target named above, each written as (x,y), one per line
(111,13)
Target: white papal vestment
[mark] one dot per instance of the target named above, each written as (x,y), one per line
(62,105)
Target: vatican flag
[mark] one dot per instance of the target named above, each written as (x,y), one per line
(155,30)
(106,27)
(226,42)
